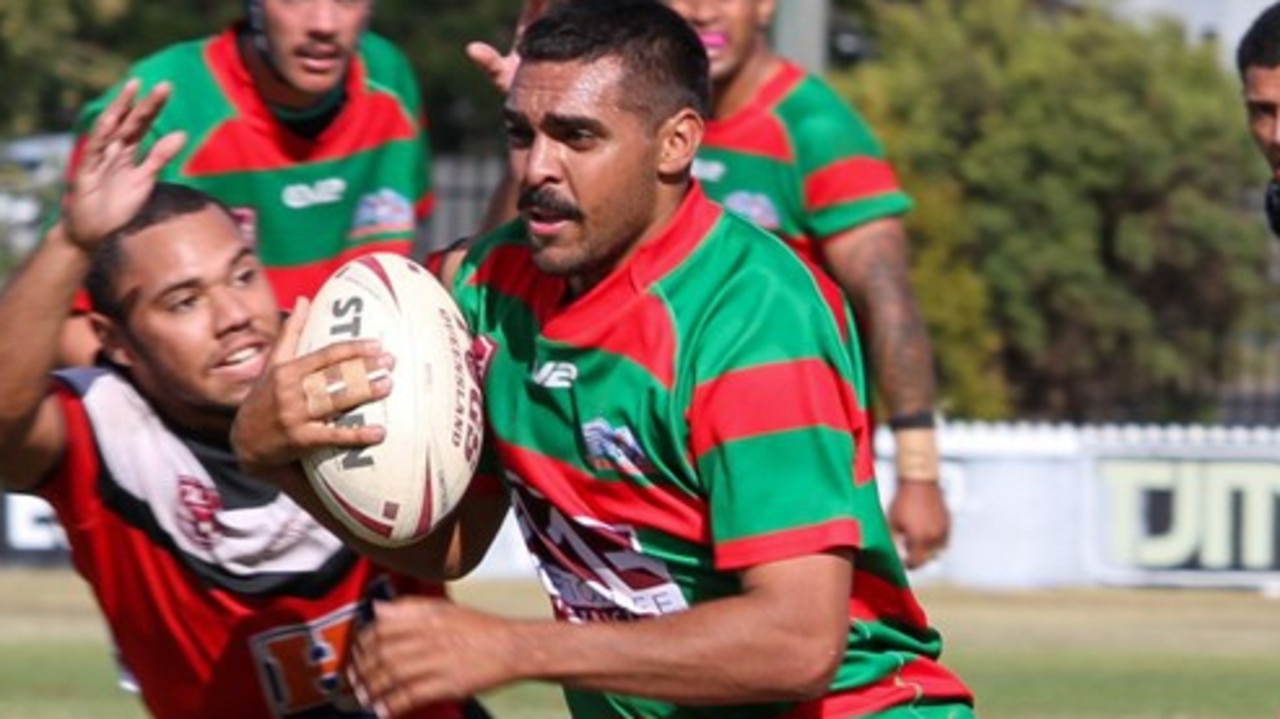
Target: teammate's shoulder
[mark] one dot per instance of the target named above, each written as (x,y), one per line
(810,99)
(383,58)
(737,250)
(820,122)
(170,61)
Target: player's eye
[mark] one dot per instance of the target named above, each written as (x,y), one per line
(244,277)
(184,302)
(519,136)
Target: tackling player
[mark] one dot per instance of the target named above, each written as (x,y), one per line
(224,598)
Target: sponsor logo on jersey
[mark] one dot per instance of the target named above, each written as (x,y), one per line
(382,212)
(708,170)
(556,375)
(198,507)
(595,571)
(321,192)
(247,224)
(614,448)
(300,665)
(754,206)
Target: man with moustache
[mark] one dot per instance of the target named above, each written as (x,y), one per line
(784,151)
(675,412)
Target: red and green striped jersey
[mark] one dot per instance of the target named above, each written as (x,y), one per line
(361,185)
(799,162)
(696,413)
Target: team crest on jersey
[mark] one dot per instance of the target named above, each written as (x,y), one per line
(595,571)
(614,448)
(708,170)
(247,223)
(198,507)
(382,212)
(754,206)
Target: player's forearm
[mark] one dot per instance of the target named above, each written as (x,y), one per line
(33,307)
(871,265)
(902,361)
(901,353)
(733,650)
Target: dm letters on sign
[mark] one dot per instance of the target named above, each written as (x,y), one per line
(1192,514)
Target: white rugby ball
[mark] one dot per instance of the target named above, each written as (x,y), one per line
(395,492)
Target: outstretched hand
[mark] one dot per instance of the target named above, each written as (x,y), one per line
(111,182)
(499,67)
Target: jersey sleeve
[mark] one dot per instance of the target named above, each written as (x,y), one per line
(772,423)
(75,474)
(847,181)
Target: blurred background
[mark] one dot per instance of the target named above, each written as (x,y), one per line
(1093,261)
(1089,243)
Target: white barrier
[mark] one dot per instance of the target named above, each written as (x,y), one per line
(1035,506)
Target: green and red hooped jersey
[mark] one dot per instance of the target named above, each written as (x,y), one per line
(697,413)
(308,205)
(799,162)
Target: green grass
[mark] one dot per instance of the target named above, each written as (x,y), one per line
(1071,654)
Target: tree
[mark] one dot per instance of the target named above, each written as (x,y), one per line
(47,66)
(1084,245)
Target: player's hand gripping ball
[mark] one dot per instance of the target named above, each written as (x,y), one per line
(395,492)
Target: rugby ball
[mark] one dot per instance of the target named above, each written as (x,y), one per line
(395,492)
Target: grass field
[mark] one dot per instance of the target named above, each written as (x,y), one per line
(1078,654)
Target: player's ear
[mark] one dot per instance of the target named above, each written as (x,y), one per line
(679,138)
(112,339)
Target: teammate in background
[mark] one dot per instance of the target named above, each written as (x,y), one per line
(785,151)
(224,598)
(308,126)
(1258,61)
(698,530)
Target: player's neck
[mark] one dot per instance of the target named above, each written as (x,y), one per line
(734,93)
(670,198)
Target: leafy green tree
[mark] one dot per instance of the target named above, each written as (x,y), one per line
(1085,249)
(47,65)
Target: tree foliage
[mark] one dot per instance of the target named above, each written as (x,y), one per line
(1084,245)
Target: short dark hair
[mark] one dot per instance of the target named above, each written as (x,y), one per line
(657,47)
(1260,46)
(166,201)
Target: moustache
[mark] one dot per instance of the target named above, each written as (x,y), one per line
(547,202)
